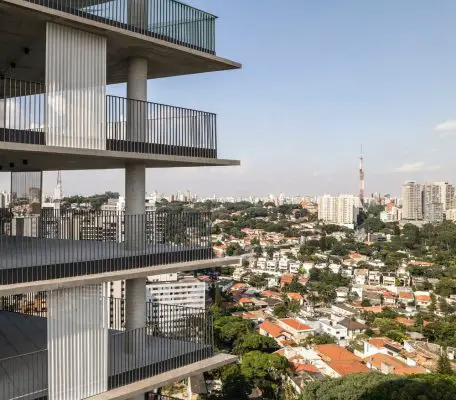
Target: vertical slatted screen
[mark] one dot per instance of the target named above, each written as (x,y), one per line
(76,84)
(77,343)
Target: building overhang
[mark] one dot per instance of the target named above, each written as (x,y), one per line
(23,26)
(31,157)
(158,381)
(76,281)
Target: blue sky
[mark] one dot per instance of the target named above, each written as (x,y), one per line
(319,79)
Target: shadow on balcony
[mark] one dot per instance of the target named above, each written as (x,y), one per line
(62,244)
(174,337)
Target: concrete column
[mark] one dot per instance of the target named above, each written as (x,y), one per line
(135,193)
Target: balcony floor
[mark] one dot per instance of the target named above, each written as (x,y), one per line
(26,259)
(23,334)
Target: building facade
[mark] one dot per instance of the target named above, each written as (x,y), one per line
(341,209)
(412,198)
(57,61)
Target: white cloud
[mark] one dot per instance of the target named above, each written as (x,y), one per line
(417,166)
(447,128)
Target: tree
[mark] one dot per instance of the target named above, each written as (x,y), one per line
(270,251)
(218,297)
(324,338)
(366,303)
(227,329)
(294,287)
(280,310)
(254,342)
(234,249)
(258,250)
(373,224)
(265,371)
(234,384)
(376,386)
(444,365)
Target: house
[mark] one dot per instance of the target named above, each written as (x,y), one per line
(406,298)
(374,278)
(389,299)
(270,294)
(246,302)
(296,328)
(360,276)
(257,316)
(389,280)
(343,310)
(342,294)
(423,299)
(390,365)
(333,328)
(339,361)
(239,273)
(269,329)
(382,345)
(286,279)
(353,327)
(292,296)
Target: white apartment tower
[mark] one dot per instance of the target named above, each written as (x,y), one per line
(57,59)
(412,198)
(434,200)
(341,209)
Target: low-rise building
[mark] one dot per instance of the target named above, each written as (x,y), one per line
(353,327)
(339,361)
(333,328)
(297,329)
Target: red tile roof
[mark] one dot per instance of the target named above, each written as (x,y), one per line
(347,367)
(295,324)
(295,296)
(333,352)
(272,329)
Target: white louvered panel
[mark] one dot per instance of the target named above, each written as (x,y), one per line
(76,84)
(77,343)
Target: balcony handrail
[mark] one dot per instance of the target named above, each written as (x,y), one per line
(155,18)
(128,125)
(161,104)
(58,244)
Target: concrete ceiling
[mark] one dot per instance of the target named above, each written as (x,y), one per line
(23,44)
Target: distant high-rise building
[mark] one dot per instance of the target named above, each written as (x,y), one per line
(412,201)
(434,195)
(446,194)
(341,209)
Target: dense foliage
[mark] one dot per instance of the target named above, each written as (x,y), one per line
(376,386)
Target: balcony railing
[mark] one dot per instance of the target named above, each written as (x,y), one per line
(145,127)
(128,126)
(167,20)
(174,336)
(60,244)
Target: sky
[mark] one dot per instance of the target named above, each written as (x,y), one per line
(319,79)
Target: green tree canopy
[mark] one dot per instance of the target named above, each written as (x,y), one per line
(254,342)
(376,386)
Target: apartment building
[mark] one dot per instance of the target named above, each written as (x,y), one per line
(434,200)
(57,60)
(341,209)
(412,197)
